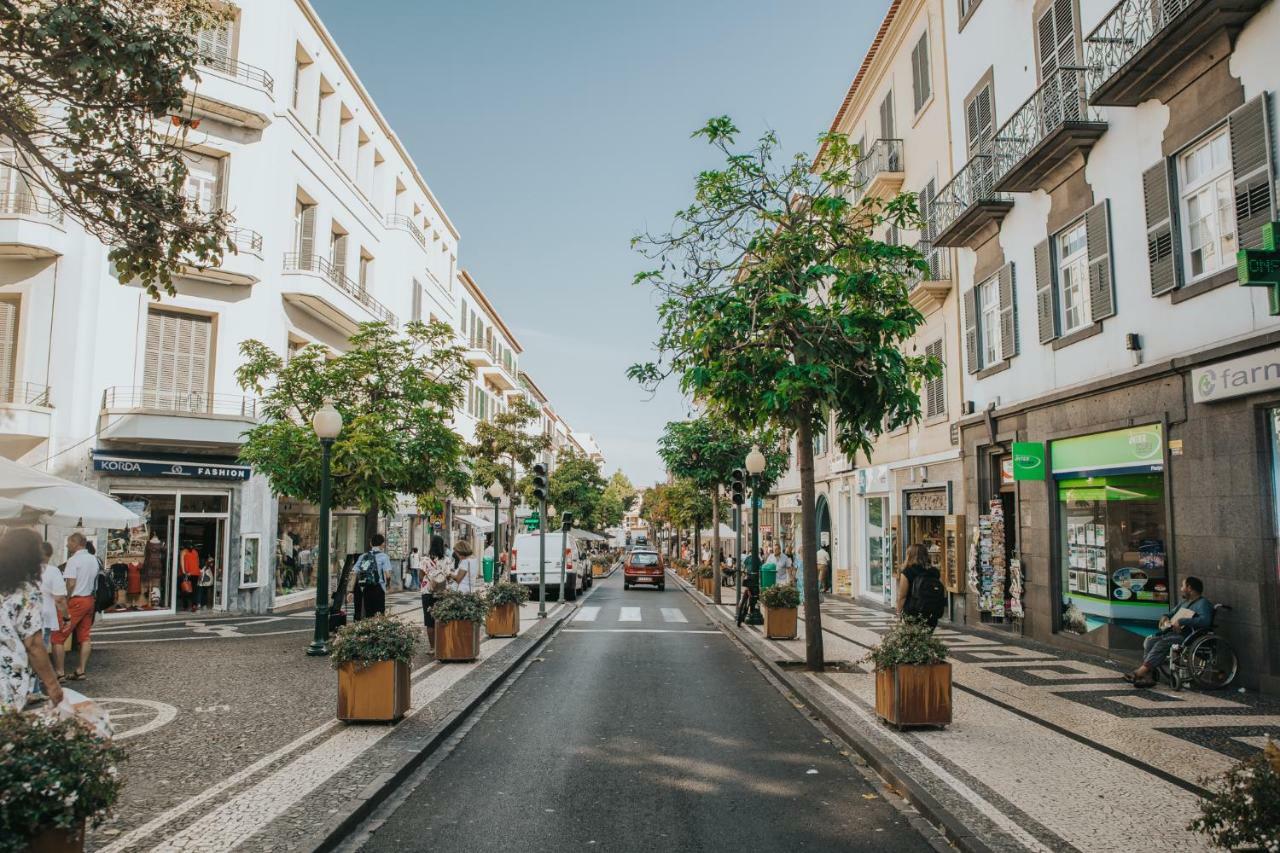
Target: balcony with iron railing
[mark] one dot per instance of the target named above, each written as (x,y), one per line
(968,206)
(26,417)
(1051,131)
(1134,52)
(166,417)
(243,71)
(321,268)
(879,174)
(930,286)
(239,94)
(25,394)
(240,265)
(31,225)
(400,222)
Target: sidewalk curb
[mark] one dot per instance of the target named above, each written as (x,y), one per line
(953,827)
(333,831)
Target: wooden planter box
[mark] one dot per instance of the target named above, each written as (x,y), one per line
(914,695)
(503,621)
(780,622)
(376,693)
(55,840)
(706,586)
(457,641)
(599,570)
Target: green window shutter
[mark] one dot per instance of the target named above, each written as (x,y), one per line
(936,389)
(1252,165)
(1046,293)
(971,330)
(1008,314)
(1097,228)
(921,85)
(1161,257)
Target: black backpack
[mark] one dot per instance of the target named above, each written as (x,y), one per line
(928,597)
(104,594)
(367,573)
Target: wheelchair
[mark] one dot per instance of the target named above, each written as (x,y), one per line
(1203,659)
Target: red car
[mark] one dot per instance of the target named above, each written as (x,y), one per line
(643,567)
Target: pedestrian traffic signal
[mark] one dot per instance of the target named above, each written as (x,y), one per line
(737,486)
(540,482)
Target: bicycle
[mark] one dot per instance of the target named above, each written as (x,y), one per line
(750,591)
(1202,659)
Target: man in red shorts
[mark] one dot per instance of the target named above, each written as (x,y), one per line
(81,575)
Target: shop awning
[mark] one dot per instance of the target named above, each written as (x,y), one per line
(475,521)
(726,532)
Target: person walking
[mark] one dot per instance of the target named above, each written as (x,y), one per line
(435,580)
(920,593)
(467,575)
(824,569)
(373,576)
(81,576)
(415,569)
(785,566)
(23,657)
(53,591)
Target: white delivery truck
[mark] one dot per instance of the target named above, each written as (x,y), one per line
(574,554)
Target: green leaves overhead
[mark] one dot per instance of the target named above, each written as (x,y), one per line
(506,438)
(705,451)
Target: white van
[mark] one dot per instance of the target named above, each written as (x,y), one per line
(526,563)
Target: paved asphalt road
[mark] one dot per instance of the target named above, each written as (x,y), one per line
(640,726)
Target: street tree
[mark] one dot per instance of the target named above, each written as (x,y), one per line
(689,506)
(94,102)
(655,509)
(503,444)
(779,305)
(616,500)
(396,392)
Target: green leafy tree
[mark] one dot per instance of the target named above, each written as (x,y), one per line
(655,509)
(689,506)
(504,443)
(779,306)
(397,393)
(93,101)
(616,500)
(577,486)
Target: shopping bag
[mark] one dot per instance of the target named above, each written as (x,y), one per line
(79,707)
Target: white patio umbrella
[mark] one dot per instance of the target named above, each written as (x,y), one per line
(52,500)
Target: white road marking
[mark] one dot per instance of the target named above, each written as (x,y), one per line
(673,614)
(587,614)
(630,614)
(97,643)
(636,631)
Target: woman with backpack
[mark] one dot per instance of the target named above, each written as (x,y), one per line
(435,578)
(920,593)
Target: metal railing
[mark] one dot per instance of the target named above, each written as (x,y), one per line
(30,203)
(296,262)
(884,155)
(246,240)
(403,223)
(481,344)
(25,394)
(124,398)
(1063,97)
(241,70)
(1127,29)
(974,183)
(939,261)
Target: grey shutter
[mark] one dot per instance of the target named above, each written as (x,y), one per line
(417,302)
(307,236)
(338,253)
(9,351)
(215,44)
(920,83)
(971,330)
(1097,228)
(1046,293)
(887,130)
(935,391)
(1161,257)
(1008,314)
(1251,164)
(927,195)
(224,180)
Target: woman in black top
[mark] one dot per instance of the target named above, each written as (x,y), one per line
(916,563)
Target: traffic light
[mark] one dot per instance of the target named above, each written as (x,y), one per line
(540,482)
(737,487)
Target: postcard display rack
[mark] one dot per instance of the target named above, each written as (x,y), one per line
(996,579)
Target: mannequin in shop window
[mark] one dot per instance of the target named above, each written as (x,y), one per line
(189,562)
(152,573)
(206,584)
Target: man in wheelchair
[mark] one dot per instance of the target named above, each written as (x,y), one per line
(1192,613)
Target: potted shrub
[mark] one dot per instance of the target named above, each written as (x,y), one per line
(599,566)
(459,616)
(779,603)
(704,578)
(1243,813)
(504,600)
(55,775)
(913,678)
(372,657)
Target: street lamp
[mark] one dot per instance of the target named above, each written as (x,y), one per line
(495,494)
(755,463)
(566,522)
(327,423)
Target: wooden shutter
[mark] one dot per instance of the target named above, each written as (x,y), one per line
(215,44)
(1008,314)
(1252,167)
(417,302)
(921,85)
(927,194)
(978,120)
(175,373)
(935,390)
(1046,293)
(306,235)
(887,129)
(1097,228)
(9,350)
(971,330)
(1161,240)
(338,255)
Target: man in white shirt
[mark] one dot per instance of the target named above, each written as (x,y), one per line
(53,593)
(81,577)
(824,569)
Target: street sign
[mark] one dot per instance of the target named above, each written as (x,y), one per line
(1028,460)
(1261,267)
(532,522)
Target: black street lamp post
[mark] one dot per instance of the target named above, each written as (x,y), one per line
(495,495)
(566,522)
(327,423)
(755,467)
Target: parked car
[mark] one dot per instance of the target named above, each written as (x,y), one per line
(644,567)
(579,567)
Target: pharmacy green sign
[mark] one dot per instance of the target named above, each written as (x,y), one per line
(1261,267)
(1136,447)
(1028,460)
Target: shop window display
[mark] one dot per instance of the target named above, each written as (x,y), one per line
(138,557)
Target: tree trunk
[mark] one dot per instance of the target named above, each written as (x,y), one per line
(697,543)
(809,550)
(715,539)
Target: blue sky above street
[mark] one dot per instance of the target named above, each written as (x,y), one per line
(553,132)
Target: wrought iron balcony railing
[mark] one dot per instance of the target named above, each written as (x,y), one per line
(972,185)
(26,202)
(884,155)
(240,70)
(1061,99)
(939,261)
(297,262)
(123,398)
(246,240)
(25,394)
(403,223)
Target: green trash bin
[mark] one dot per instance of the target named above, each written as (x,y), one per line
(768,576)
(487,567)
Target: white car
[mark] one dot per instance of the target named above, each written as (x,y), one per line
(579,565)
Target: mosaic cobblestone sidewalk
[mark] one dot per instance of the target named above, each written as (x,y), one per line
(1047,751)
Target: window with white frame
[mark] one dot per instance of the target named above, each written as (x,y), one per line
(1073,277)
(1207,204)
(989,320)
(204,181)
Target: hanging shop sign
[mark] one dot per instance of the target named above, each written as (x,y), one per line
(1261,267)
(1138,448)
(190,469)
(1248,374)
(1028,460)
(874,479)
(931,500)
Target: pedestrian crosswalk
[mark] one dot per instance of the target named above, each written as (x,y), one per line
(669,615)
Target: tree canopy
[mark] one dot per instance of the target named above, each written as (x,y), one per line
(93,100)
(396,392)
(707,449)
(616,500)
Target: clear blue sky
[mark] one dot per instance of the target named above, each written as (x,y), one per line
(552,132)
